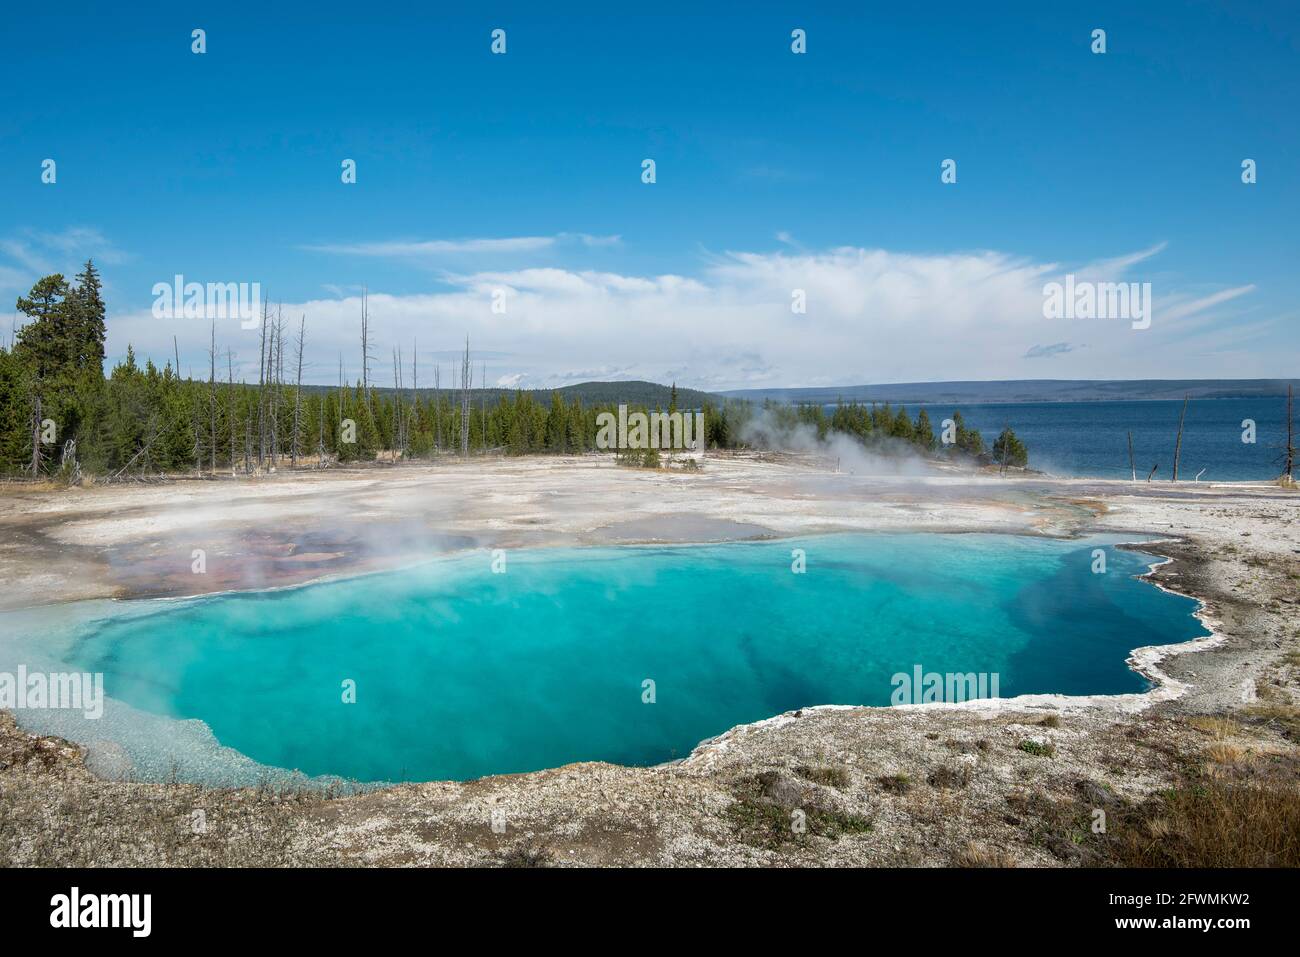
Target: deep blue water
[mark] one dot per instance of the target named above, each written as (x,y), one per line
(1089,439)
(460,672)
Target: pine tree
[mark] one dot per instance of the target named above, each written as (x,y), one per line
(923,433)
(90,329)
(1008,450)
(46,343)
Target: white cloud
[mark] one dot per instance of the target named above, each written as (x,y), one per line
(872,315)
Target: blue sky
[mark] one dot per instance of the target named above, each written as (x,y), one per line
(775,171)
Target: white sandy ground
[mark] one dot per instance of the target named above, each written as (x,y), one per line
(1235,547)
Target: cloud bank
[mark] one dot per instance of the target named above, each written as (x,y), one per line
(859,315)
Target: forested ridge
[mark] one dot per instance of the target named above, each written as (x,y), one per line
(61,416)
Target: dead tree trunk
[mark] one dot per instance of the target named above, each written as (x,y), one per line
(415,388)
(397,405)
(36,438)
(212,399)
(277,379)
(230,404)
(1131,465)
(437,407)
(1178,446)
(365,347)
(261,386)
(465,385)
(320,442)
(297,396)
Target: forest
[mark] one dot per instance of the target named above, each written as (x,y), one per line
(62,417)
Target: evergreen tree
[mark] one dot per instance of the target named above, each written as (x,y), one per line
(902,426)
(923,432)
(89,328)
(557,430)
(47,343)
(1009,450)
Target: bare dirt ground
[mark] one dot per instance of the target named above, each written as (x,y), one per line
(1201,770)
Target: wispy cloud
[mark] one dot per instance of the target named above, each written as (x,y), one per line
(31,254)
(1182,310)
(1119,264)
(438,248)
(435,247)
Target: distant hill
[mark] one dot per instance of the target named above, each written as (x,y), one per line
(1028,390)
(651,394)
(633,392)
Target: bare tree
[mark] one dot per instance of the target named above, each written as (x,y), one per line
(320,442)
(365,346)
(466,384)
(437,407)
(297,395)
(277,379)
(1178,446)
(397,403)
(415,386)
(230,404)
(261,385)
(1131,466)
(36,438)
(212,399)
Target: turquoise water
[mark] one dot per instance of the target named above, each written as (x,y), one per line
(460,672)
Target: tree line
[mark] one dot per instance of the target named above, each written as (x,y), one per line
(60,415)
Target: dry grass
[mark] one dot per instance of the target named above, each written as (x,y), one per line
(1220,729)
(826,775)
(895,783)
(977,855)
(950,776)
(1237,806)
(1211,824)
(1225,752)
(1274,712)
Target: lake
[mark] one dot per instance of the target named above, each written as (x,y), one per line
(1090,439)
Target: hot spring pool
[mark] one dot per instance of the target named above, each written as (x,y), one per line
(461,672)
